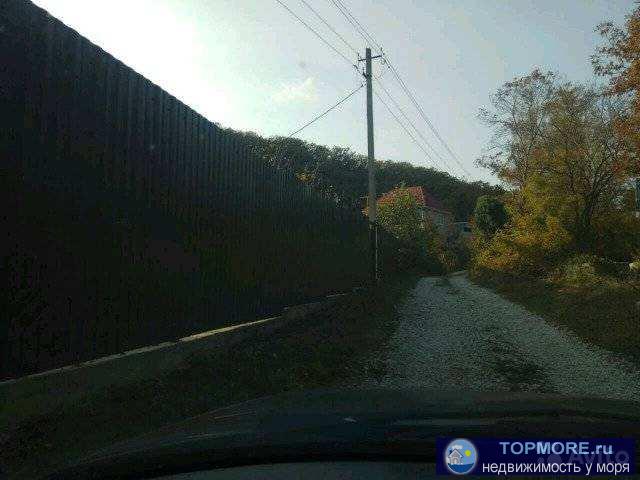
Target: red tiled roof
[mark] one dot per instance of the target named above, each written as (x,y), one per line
(424,198)
(433,202)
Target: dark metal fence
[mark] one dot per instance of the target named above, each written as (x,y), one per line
(130,219)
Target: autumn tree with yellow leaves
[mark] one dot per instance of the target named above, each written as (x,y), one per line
(618,59)
(557,147)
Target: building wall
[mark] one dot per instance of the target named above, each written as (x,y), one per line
(443,221)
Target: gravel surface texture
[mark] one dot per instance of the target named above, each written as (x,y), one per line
(454,334)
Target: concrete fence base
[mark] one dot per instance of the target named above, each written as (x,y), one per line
(212,339)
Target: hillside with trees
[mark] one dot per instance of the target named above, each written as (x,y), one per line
(342,174)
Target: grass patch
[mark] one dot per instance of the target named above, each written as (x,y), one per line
(602,314)
(47,426)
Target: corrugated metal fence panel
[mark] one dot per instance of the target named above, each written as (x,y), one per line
(131,219)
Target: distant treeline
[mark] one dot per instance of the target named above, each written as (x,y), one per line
(342,174)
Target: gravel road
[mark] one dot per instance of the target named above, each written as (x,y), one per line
(454,334)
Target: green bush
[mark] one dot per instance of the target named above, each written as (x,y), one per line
(489,215)
(422,247)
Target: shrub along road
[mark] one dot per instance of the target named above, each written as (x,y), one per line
(454,334)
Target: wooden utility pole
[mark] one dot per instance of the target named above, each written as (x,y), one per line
(373,215)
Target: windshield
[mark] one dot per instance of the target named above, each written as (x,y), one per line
(206,203)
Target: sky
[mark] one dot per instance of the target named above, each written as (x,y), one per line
(250,65)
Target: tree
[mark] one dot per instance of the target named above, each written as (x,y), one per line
(401,218)
(619,59)
(517,119)
(489,215)
(341,174)
(584,164)
(421,244)
(556,147)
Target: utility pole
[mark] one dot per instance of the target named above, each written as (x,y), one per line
(372,203)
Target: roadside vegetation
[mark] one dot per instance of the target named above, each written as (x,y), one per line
(341,174)
(422,246)
(562,237)
(327,349)
(601,312)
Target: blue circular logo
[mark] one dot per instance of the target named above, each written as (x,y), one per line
(460,456)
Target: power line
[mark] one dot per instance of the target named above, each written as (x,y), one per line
(330,27)
(406,117)
(346,59)
(326,111)
(341,2)
(366,40)
(356,24)
(370,40)
(404,127)
(425,117)
(283,147)
(344,10)
(366,32)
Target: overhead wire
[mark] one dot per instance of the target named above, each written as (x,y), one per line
(416,129)
(282,147)
(330,27)
(404,127)
(332,47)
(371,42)
(318,117)
(356,24)
(325,41)
(426,118)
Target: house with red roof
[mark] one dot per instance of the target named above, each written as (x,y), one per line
(430,208)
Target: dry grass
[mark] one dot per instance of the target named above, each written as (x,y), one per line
(603,313)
